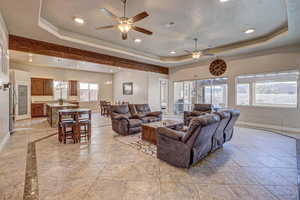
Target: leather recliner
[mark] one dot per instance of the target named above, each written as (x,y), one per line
(123,122)
(198,110)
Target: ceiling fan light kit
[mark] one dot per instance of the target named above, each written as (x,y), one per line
(126,24)
(196,55)
(124,27)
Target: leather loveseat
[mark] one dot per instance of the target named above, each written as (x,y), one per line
(128,119)
(205,134)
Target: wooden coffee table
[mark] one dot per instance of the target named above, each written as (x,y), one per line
(149,132)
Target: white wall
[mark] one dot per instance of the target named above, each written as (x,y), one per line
(146,87)
(4,78)
(18,77)
(279,118)
(66,74)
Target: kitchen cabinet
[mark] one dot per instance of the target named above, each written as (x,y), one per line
(37,110)
(41,87)
(37,87)
(73,88)
(48,87)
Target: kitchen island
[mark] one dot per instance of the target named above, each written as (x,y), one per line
(52,112)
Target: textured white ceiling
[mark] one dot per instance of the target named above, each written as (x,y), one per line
(213,22)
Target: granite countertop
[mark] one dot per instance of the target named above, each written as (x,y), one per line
(58,105)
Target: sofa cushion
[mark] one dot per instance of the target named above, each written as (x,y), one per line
(174,134)
(197,113)
(150,119)
(142,108)
(156,113)
(135,123)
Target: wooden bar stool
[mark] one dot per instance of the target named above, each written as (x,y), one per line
(84,124)
(67,126)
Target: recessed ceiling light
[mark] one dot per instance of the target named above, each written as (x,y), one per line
(250,30)
(137,40)
(30,59)
(79,20)
(30,55)
(172,52)
(223,1)
(111,70)
(170,24)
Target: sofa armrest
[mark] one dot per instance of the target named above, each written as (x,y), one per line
(197,113)
(171,133)
(155,114)
(120,117)
(137,116)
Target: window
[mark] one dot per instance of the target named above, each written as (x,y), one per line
(88,92)
(273,89)
(243,94)
(210,91)
(60,89)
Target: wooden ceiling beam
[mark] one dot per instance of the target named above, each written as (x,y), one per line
(50,49)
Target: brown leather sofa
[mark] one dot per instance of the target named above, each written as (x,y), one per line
(144,112)
(199,109)
(128,119)
(123,122)
(204,135)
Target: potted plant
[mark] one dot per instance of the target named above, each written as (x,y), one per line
(60,101)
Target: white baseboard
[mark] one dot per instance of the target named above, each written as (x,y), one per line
(269,127)
(4,140)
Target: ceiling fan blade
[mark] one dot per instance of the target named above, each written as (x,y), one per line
(139,17)
(105,27)
(108,13)
(124,36)
(142,30)
(208,54)
(187,51)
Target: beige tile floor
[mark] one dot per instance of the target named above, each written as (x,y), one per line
(254,165)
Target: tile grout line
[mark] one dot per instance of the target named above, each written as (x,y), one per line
(31,187)
(31,191)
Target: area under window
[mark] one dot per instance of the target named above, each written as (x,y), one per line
(272,89)
(209,91)
(60,89)
(89,92)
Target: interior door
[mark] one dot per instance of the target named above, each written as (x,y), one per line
(22,108)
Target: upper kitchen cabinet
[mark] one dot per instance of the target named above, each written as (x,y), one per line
(73,88)
(41,87)
(48,87)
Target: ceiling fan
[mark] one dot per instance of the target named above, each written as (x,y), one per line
(125,24)
(196,53)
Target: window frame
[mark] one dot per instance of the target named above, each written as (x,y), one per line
(60,90)
(89,92)
(211,85)
(252,92)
